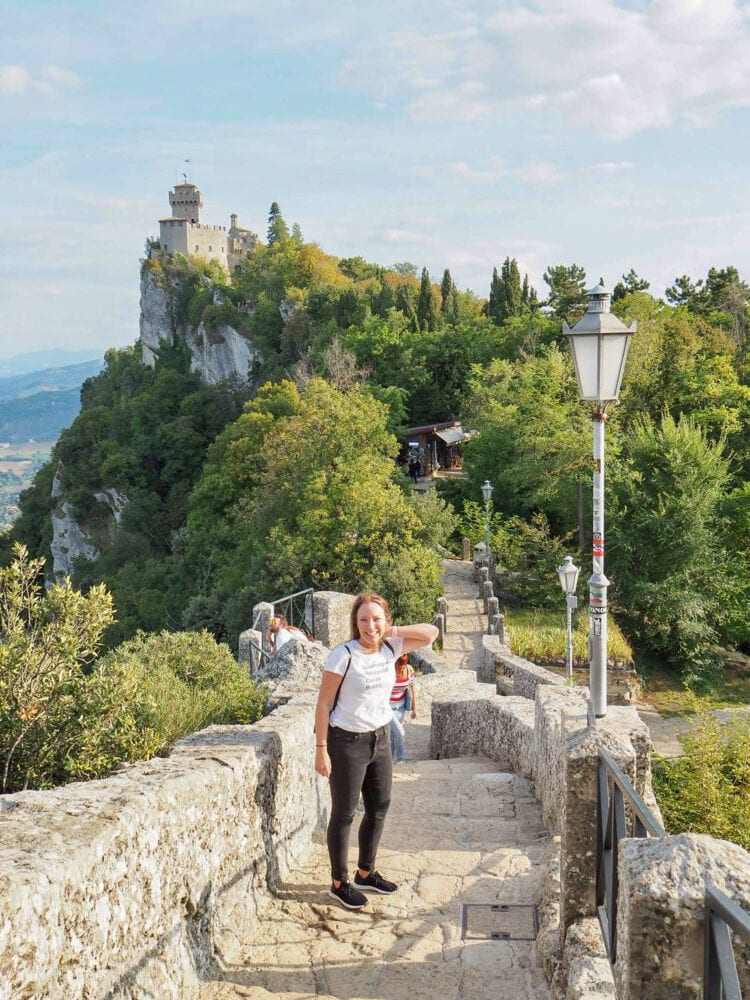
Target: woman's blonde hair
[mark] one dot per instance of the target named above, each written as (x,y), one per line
(367,597)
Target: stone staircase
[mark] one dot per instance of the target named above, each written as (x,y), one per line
(467,844)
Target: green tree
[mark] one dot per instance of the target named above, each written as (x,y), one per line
(567,291)
(511,291)
(446,288)
(630,283)
(495,301)
(685,293)
(426,308)
(278,231)
(667,542)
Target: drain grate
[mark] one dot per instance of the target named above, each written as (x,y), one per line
(499,922)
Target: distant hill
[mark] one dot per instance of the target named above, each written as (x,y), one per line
(34,361)
(38,404)
(47,380)
(40,417)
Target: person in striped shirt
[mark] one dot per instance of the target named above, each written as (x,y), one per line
(403,699)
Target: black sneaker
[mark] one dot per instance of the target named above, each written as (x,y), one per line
(348,896)
(374,883)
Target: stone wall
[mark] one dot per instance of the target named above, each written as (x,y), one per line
(661,880)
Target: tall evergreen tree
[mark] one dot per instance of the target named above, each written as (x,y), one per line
(278,231)
(426,308)
(494,305)
(510,283)
(405,303)
(446,287)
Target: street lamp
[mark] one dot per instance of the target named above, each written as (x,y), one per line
(568,574)
(487,494)
(599,342)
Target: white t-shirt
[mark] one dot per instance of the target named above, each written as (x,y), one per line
(282,636)
(365,695)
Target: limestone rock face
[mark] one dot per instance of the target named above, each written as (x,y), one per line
(157,321)
(216,355)
(220,355)
(113,499)
(69,542)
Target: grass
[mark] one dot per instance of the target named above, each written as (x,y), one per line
(664,690)
(539,635)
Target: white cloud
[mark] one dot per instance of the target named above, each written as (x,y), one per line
(16,81)
(534,173)
(612,70)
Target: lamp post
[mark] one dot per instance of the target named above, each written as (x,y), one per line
(568,574)
(599,343)
(487,494)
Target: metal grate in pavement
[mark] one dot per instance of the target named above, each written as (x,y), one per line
(499,922)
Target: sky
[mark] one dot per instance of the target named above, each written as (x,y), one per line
(449,133)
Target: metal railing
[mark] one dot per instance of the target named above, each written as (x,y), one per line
(722,916)
(620,813)
(614,792)
(295,608)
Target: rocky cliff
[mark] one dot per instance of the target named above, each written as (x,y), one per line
(217,354)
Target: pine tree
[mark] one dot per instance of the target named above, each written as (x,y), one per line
(278,231)
(426,308)
(630,283)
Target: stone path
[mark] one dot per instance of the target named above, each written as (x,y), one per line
(666,730)
(458,832)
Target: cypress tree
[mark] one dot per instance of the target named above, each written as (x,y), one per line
(511,292)
(426,309)
(405,302)
(446,287)
(494,305)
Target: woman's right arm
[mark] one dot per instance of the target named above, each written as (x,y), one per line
(329,685)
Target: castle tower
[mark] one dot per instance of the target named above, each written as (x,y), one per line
(186,202)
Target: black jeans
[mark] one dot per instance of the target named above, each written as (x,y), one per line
(360,762)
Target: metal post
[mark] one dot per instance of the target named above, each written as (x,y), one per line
(487,528)
(598,583)
(571,602)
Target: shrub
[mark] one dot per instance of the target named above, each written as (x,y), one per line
(708,790)
(47,701)
(186,681)
(65,716)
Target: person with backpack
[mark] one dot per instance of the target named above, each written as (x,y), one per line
(403,700)
(352,739)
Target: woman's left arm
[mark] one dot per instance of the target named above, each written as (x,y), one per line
(413,636)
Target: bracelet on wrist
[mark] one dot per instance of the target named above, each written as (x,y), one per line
(319,745)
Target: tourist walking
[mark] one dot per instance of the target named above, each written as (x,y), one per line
(403,700)
(352,739)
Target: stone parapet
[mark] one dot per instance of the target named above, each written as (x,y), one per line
(476,721)
(332,612)
(662,884)
(128,886)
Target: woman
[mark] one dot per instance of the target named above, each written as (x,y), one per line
(352,748)
(404,683)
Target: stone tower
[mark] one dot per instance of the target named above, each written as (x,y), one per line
(186,202)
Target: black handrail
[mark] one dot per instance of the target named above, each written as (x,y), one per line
(722,916)
(287,607)
(614,790)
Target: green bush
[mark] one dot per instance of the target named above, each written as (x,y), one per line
(65,716)
(708,790)
(186,681)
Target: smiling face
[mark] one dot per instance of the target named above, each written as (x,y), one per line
(372,624)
